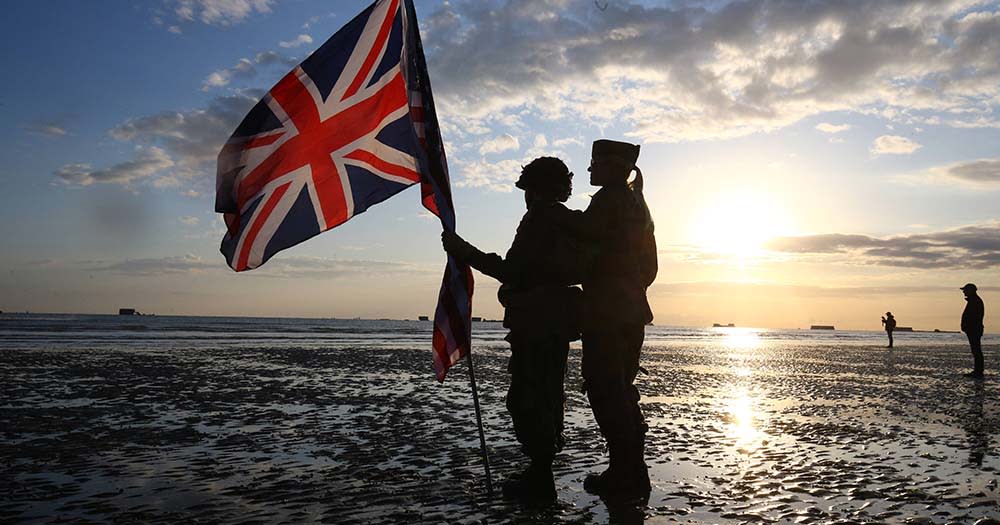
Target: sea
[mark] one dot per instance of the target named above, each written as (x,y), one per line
(30,330)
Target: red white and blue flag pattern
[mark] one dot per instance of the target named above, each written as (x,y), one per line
(349,127)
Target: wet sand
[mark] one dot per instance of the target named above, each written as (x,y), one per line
(741,431)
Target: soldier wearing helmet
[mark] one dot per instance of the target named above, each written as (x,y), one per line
(541,312)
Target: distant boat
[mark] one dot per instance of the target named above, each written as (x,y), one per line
(423,318)
(821,327)
(720,325)
(477,319)
(903,329)
(128,311)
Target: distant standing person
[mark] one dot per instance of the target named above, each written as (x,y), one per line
(890,324)
(972,325)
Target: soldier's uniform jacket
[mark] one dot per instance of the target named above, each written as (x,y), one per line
(537,272)
(972,316)
(621,258)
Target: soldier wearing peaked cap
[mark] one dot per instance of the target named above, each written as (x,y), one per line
(541,310)
(619,230)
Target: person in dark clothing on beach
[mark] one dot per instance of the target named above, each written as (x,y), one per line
(616,230)
(541,310)
(890,324)
(972,325)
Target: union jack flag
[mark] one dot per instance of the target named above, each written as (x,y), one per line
(349,127)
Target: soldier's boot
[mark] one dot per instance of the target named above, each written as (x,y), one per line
(601,483)
(534,485)
(638,475)
(627,477)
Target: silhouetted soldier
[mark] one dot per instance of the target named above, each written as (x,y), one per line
(890,324)
(542,314)
(972,325)
(618,225)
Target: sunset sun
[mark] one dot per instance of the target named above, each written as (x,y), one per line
(738,223)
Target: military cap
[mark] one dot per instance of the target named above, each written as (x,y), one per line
(613,148)
(544,172)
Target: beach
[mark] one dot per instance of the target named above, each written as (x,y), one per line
(156,425)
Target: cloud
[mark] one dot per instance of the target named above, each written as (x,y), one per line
(984,172)
(324,268)
(974,246)
(977,174)
(770,289)
(216,79)
(495,176)
(281,267)
(188,142)
(147,162)
(245,68)
(894,145)
(49,129)
(500,144)
(220,12)
(689,71)
(300,40)
(189,220)
(191,138)
(266,58)
(158,266)
(826,127)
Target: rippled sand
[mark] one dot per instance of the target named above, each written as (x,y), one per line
(742,431)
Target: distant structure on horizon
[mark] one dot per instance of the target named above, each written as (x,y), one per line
(423,318)
(822,327)
(904,329)
(720,325)
(128,311)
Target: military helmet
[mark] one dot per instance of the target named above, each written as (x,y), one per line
(545,174)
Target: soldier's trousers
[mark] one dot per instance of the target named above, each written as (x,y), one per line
(976,344)
(536,396)
(610,364)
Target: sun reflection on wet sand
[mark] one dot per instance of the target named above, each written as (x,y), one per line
(738,404)
(741,338)
(742,421)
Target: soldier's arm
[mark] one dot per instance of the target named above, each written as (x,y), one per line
(488,263)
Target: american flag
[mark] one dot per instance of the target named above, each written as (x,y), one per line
(349,127)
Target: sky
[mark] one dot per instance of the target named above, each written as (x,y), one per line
(805,162)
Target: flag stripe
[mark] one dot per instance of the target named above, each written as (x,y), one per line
(369,62)
(381,165)
(258,223)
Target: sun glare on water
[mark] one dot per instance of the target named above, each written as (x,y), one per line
(739,223)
